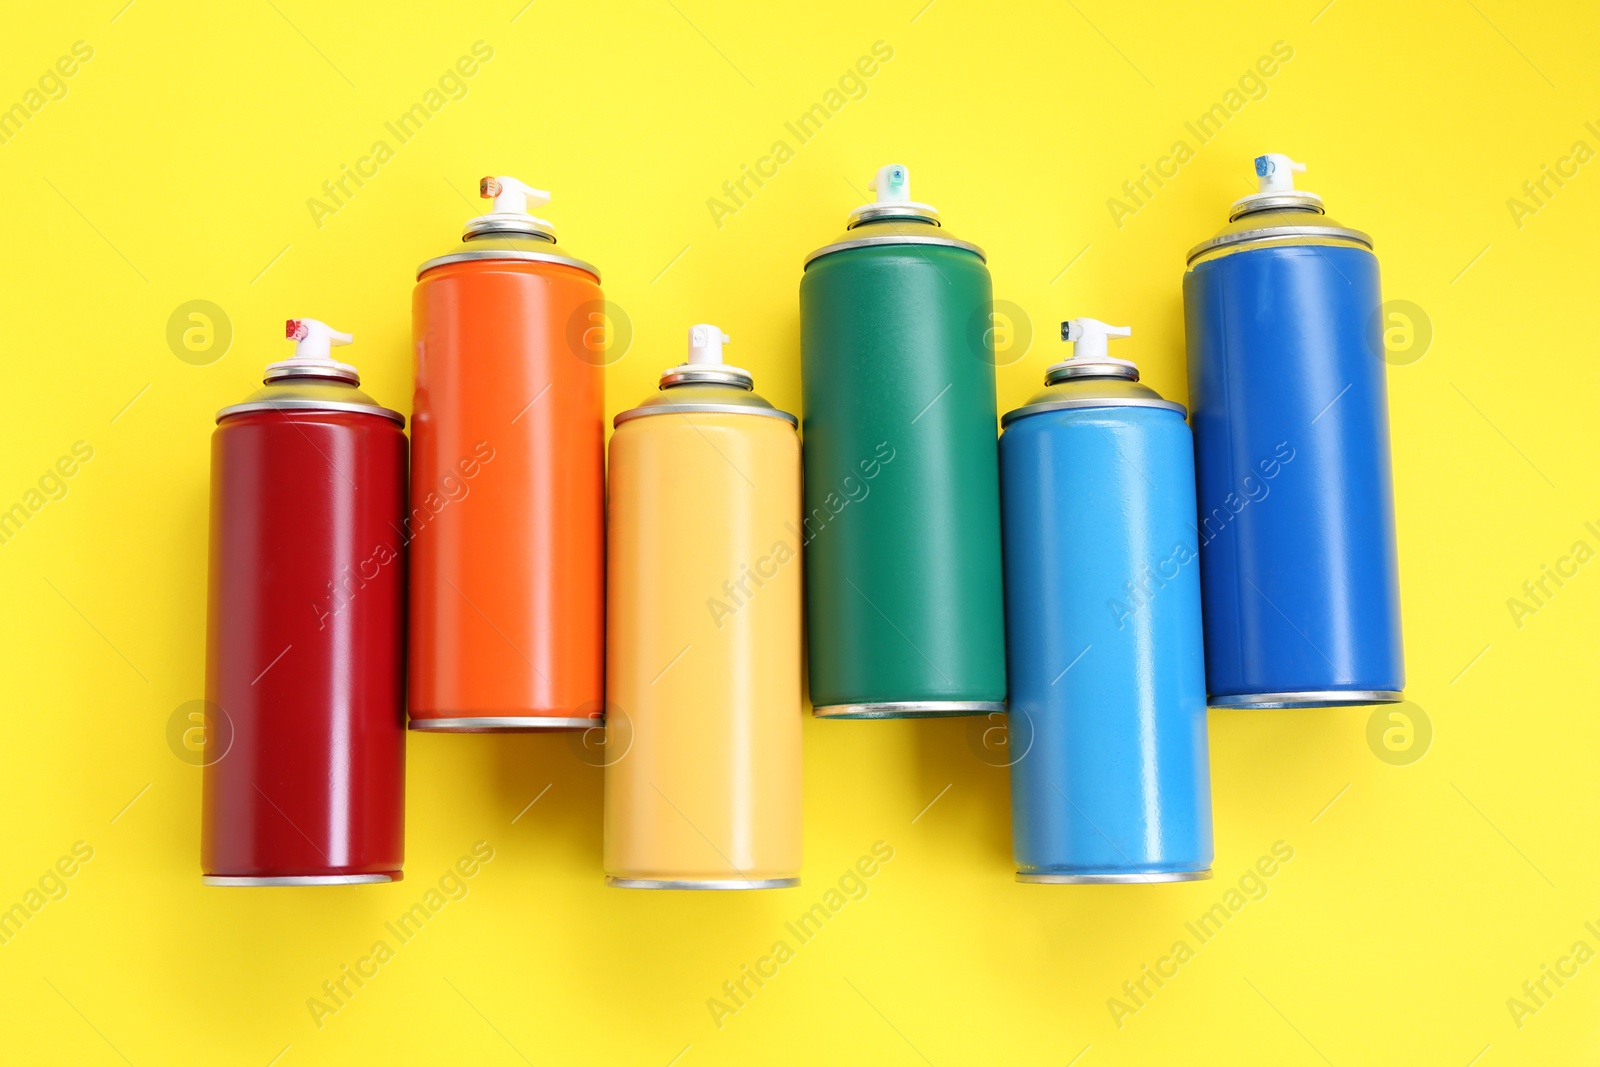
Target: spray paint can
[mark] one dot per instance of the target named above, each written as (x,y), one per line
(508,479)
(1110,781)
(306,630)
(1291,427)
(902,505)
(703,672)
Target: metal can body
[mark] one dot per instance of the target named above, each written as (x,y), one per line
(1296,512)
(1111,779)
(305,650)
(507,499)
(902,509)
(702,785)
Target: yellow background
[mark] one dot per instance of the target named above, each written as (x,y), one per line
(178,167)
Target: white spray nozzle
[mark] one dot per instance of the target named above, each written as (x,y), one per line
(704,365)
(512,200)
(511,196)
(891,187)
(1275,177)
(1275,172)
(313,339)
(1088,337)
(705,344)
(892,184)
(313,351)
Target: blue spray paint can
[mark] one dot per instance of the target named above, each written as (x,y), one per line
(1291,431)
(1111,780)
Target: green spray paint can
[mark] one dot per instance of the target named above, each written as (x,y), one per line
(905,610)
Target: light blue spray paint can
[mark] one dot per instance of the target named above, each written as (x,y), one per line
(1105,658)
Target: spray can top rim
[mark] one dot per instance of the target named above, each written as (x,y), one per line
(704,364)
(892,186)
(510,214)
(1275,189)
(313,358)
(1092,378)
(1090,358)
(1277,215)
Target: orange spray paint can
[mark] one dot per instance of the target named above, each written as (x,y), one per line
(506,525)
(703,635)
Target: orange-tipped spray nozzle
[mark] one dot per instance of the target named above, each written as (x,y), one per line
(512,197)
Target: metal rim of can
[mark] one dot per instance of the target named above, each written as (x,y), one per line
(879,212)
(908,709)
(331,374)
(1299,200)
(708,409)
(685,374)
(242,881)
(476,255)
(1325,698)
(868,242)
(502,724)
(701,883)
(509,223)
(1119,878)
(1091,402)
(1279,235)
(1066,372)
(309,405)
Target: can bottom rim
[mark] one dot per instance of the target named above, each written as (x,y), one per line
(504,724)
(701,883)
(300,879)
(909,709)
(1119,878)
(1321,698)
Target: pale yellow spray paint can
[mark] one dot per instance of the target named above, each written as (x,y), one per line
(703,701)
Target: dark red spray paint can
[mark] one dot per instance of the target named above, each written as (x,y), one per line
(305,669)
